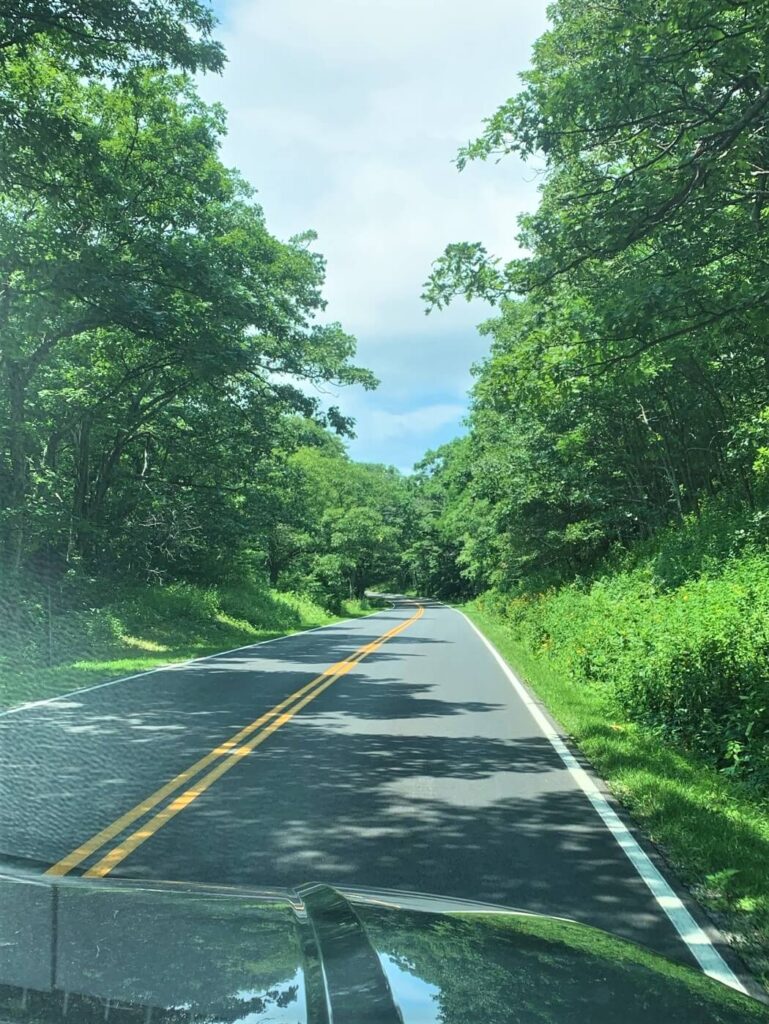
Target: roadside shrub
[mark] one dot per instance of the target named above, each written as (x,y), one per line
(692,660)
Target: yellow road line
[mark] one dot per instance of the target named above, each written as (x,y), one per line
(230,747)
(120,852)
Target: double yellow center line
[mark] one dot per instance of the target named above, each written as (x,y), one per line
(227,754)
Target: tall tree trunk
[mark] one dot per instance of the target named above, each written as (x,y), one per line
(13,546)
(273,563)
(82,460)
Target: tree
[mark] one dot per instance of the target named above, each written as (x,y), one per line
(651,120)
(143,279)
(353,522)
(442,517)
(99,37)
(627,376)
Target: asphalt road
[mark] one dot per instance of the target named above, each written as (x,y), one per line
(418,768)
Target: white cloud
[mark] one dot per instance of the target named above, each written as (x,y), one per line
(389,32)
(387,425)
(346,115)
(401,437)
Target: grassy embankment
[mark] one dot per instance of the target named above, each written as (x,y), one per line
(658,667)
(145,628)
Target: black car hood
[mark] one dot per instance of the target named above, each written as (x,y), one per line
(165,953)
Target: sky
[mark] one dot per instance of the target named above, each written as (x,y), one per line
(346,115)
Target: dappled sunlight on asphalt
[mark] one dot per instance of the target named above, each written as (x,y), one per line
(415,770)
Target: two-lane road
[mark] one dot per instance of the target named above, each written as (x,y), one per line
(391,751)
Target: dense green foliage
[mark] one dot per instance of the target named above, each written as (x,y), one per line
(675,636)
(624,405)
(343,527)
(170,486)
(159,348)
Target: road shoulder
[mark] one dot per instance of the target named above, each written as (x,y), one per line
(546,698)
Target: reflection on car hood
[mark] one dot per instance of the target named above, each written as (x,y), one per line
(78,951)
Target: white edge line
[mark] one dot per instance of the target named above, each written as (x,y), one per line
(179,664)
(693,936)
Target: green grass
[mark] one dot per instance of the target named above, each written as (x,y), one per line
(145,628)
(712,828)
